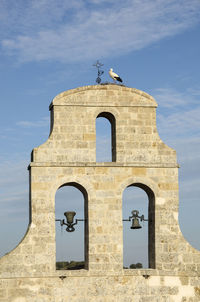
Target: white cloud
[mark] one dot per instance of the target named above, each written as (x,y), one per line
(13,178)
(28,16)
(178,124)
(189,173)
(181,123)
(28,124)
(57,30)
(171,98)
(14,202)
(178,113)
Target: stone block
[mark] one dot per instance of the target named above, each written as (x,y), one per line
(28,274)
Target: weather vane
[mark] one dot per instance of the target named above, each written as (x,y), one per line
(98,65)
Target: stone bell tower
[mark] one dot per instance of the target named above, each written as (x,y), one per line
(139,158)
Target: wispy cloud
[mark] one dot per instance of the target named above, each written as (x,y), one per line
(179,126)
(44,122)
(178,113)
(182,123)
(13,175)
(171,98)
(70,32)
(14,197)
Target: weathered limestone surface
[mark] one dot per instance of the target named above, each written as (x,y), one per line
(74,113)
(28,273)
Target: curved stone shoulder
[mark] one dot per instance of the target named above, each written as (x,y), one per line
(73,127)
(105,95)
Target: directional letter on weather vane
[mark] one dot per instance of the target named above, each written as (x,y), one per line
(100,72)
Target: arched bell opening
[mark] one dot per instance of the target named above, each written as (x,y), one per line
(105,137)
(71,212)
(138,227)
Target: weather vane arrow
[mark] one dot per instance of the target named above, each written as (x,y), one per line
(98,65)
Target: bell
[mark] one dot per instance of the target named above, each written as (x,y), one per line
(135,224)
(70,216)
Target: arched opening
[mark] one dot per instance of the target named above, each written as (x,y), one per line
(71,239)
(139,230)
(105,137)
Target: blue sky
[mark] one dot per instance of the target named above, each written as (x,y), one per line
(47,47)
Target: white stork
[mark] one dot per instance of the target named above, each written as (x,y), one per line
(114,76)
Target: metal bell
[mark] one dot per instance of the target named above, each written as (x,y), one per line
(135,224)
(70,216)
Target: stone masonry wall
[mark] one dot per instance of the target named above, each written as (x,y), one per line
(28,273)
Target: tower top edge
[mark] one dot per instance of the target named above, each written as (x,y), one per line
(108,91)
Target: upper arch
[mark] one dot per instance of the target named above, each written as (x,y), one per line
(149,186)
(84,186)
(77,186)
(111,118)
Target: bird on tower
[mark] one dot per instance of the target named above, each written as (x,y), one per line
(114,76)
